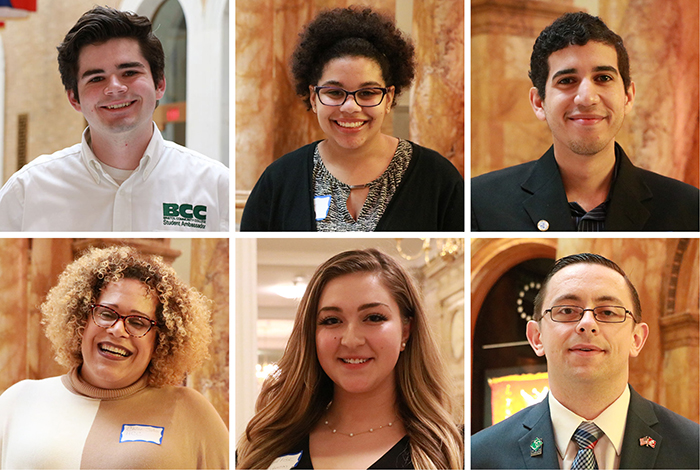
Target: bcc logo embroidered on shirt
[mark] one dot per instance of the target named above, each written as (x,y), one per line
(185,215)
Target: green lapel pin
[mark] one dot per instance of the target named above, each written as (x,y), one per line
(536,447)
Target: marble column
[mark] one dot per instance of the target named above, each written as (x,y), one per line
(210,275)
(437,96)
(14,259)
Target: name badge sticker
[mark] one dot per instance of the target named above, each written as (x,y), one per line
(321,206)
(141,433)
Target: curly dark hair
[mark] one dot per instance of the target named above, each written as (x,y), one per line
(574,29)
(98,26)
(352,32)
(183,314)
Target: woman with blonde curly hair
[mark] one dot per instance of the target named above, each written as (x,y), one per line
(361,383)
(129,330)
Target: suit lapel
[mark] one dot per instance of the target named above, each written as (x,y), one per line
(626,211)
(640,418)
(538,424)
(547,199)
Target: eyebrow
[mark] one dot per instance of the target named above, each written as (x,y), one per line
(600,68)
(576,298)
(363,85)
(125,65)
(362,307)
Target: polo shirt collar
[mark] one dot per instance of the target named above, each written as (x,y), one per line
(148,161)
(612,421)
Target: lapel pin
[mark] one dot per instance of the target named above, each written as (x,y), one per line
(536,447)
(542,225)
(647,441)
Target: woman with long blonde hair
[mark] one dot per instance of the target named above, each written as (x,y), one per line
(361,383)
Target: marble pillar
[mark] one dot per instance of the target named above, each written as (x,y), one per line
(437,96)
(14,259)
(210,275)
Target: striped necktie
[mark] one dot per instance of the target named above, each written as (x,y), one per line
(586,437)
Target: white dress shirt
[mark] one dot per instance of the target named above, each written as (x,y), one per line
(172,189)
(611,422)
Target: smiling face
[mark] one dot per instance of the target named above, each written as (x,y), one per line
(586,101)
(587,352)
(359,334)
(116,92)
(351,126)
(111,358)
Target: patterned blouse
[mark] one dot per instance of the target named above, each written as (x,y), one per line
(331,195)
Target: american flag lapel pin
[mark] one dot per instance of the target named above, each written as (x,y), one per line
(647,441)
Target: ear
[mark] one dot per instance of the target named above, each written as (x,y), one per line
(629,97)
(537,104)
(534,337)
(73,100)
(406,331)
(639,337)
(312,98)
(391,91)
(160,89)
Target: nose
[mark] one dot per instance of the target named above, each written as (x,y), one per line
(587,322)
(587,93)
(114,85)
(350,105)
(119,328)
(352,336)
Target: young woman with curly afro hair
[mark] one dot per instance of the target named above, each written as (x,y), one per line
(349,67)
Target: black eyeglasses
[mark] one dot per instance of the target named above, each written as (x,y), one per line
(135,325)
(366,97)
(602,314)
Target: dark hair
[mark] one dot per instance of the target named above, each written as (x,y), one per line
(590,258)
(99,25)
(352,32)
(574,29)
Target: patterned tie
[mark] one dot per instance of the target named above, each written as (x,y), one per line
(586,437)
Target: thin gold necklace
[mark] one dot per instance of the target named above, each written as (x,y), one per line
(353,434)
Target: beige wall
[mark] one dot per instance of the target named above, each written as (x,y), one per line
(661,37)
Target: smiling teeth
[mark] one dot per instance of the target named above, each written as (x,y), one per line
(117,106)
(350,124)
(114,350)
(355,361)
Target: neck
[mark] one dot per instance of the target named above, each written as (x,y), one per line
(358,412)
(587,178)
(584,398)
(359,165)
(123,151)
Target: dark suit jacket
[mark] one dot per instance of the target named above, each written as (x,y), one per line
(507,444)
(517,198)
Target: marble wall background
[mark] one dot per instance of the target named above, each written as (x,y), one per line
(29,267)
(660,134)
(665,273)
(271,120)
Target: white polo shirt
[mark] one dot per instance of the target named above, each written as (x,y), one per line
(173,189)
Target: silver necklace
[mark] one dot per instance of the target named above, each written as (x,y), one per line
(358,186)
(353,434)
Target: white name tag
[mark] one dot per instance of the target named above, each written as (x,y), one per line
(321,206)
(285,462)
(141,433)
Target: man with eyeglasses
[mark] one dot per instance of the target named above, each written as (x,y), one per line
(587,323)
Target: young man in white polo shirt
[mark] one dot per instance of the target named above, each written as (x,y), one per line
(123,176)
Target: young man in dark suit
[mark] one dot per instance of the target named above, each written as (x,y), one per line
(588,324)
(582,88)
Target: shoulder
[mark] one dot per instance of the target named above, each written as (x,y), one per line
(506,178)
(669,422)
(192,158)
(297,160)
(431,160)
(60,160)
(30,391)
(665,185)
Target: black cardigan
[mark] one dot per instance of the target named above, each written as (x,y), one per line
(429,198)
